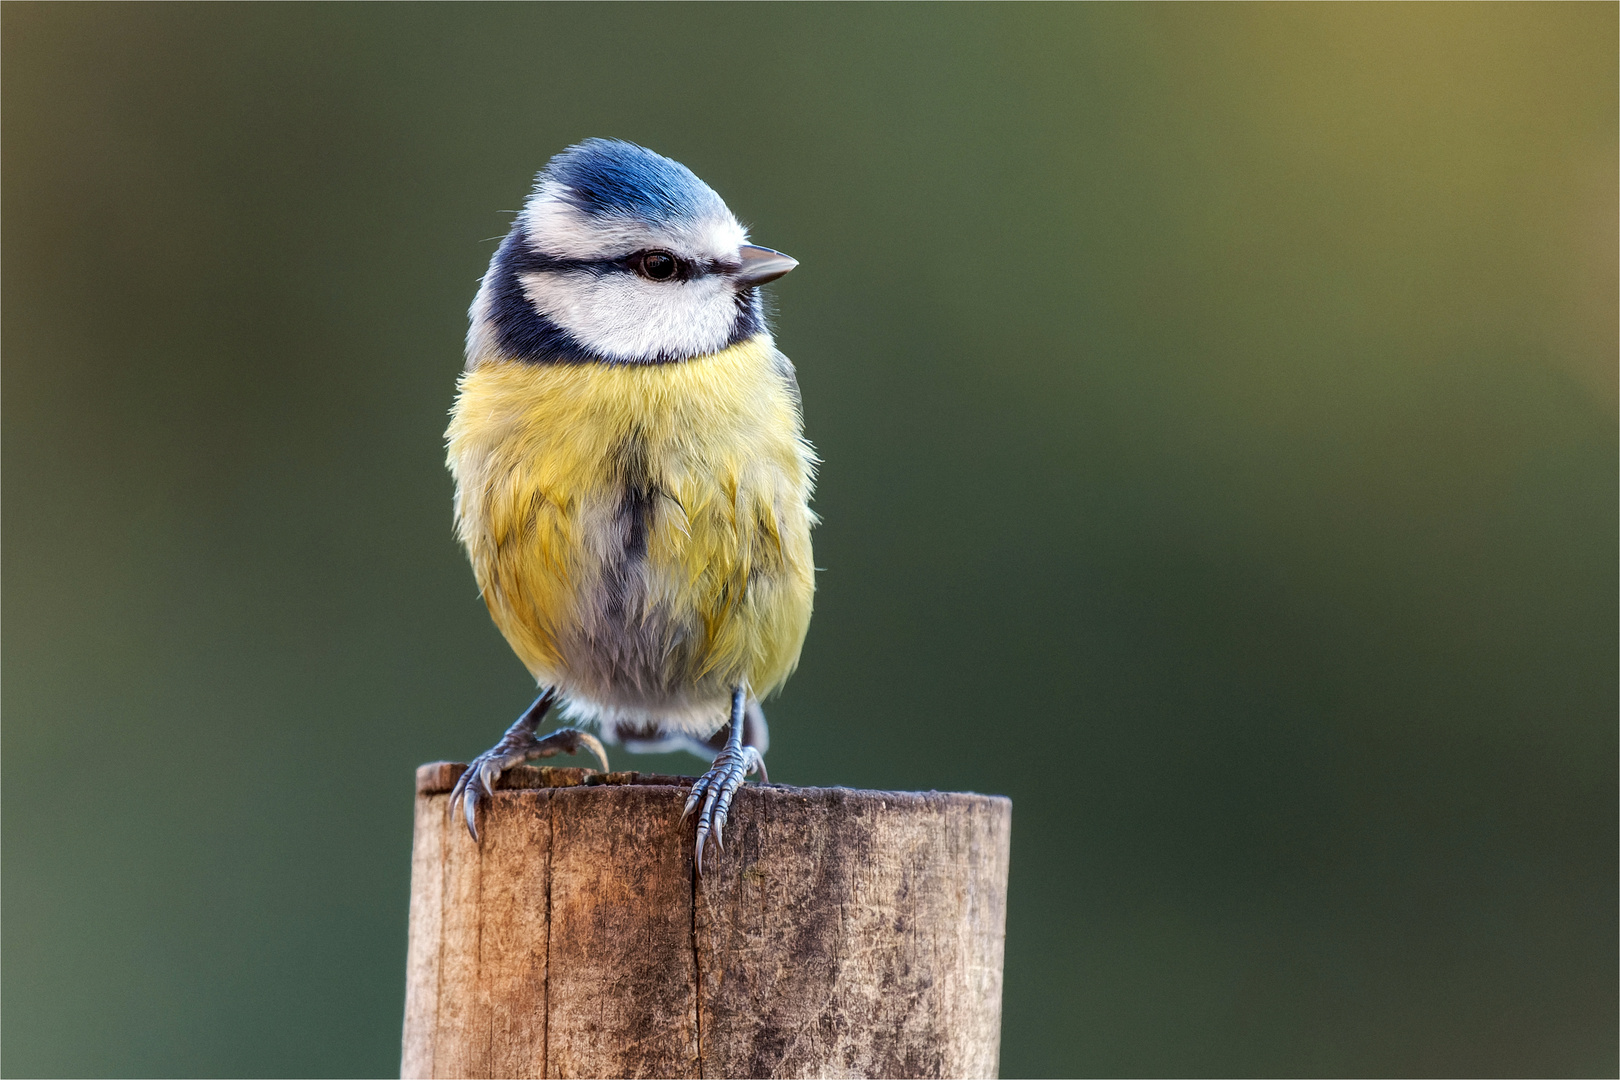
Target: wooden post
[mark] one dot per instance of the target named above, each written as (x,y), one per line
(840,933)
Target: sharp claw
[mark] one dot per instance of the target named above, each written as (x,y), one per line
(693,797)
(470,808)
(596,748)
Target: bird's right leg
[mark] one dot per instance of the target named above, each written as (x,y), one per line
(518,745)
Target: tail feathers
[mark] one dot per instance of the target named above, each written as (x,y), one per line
(651,738)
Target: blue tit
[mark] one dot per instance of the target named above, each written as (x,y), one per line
(632,479)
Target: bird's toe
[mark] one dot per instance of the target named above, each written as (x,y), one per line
(716,788)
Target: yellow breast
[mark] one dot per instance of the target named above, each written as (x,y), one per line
(641,533)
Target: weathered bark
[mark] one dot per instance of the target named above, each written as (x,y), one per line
(840,933)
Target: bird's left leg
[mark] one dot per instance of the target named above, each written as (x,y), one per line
(756,733)
(716,787)
(518,745)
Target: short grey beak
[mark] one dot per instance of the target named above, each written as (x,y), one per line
(761,264)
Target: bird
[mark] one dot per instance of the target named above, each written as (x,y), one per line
(632,480)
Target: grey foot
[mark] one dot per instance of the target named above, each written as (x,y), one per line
(715,788)
(518,745)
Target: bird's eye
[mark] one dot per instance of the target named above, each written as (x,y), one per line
(657,266)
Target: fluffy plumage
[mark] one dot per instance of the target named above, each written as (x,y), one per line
(632,485)
(640,533)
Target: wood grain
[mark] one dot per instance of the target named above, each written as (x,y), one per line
(840,933)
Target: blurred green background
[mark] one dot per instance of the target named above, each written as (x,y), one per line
(1219,414)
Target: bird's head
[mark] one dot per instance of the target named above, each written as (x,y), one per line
(620,256)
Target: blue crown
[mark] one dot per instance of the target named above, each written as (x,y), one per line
(611,177)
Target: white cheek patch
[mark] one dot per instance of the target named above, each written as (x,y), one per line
(622,317)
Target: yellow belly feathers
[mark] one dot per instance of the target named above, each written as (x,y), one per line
(640,533)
